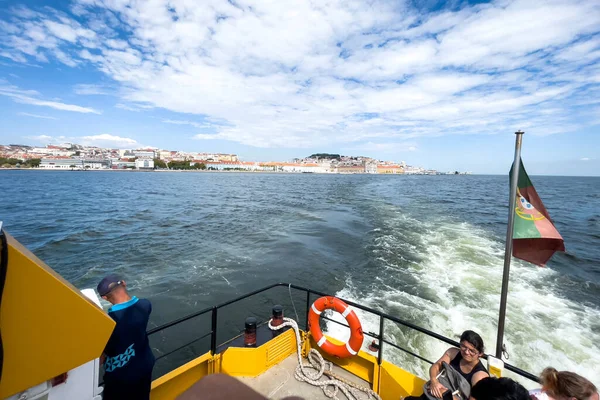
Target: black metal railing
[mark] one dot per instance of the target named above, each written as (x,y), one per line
(379,336)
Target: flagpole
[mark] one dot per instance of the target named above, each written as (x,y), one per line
(509,243)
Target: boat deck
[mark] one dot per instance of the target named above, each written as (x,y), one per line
(279,382)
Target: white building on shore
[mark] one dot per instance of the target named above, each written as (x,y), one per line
(61,163)
(144,164)
(73,163)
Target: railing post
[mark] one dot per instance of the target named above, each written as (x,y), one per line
(213,336)
(307,309)
(380,354)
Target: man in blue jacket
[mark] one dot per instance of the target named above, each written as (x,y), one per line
(127,358)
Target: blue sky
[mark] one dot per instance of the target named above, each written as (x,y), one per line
(438,84)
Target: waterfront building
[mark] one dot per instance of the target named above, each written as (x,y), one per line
(410,170)
(144,153)
(121,164)
(350,169)
(227,157)
(163,154)
(390,169)
(304,167)
(144,164)
(96,163)
(371,167)
(50,150)
(228,165)
(61,163)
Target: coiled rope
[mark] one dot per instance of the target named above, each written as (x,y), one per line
(318,367)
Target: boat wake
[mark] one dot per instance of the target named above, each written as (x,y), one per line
(445,276)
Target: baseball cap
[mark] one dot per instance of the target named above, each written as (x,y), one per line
(108,284)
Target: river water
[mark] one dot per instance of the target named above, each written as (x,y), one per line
(427,249)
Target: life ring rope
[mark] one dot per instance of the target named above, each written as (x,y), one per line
(318,368)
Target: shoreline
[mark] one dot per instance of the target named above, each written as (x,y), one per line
(192,171)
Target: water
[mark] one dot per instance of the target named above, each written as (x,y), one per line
(427,249)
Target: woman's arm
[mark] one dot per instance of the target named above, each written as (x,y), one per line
(435,369)
(436,388)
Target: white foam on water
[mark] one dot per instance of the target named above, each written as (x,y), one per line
(459,279)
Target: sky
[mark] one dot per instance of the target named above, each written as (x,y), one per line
(441,85)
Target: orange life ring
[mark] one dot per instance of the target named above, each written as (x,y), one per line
(353,345)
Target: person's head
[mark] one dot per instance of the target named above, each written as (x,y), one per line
(499,389)
(113,289)
(471,346)
(565,385)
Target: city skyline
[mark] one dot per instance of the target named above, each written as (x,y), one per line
(443,87)
(72,156)
(25,151)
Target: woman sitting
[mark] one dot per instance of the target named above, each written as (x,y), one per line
(465,360)
(565,385)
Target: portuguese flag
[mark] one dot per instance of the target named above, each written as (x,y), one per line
(535,239)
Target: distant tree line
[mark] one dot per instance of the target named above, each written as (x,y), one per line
(178,165)
(326,156)
(158,163)
(12,162)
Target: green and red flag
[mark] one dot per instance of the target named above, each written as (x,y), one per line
(535,239)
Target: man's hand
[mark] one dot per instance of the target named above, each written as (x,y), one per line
(437,389)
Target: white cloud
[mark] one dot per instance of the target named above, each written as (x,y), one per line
(16,57)
(206,136)
(107,140)
(61,31)
(134,108)
(388,147)
(179,122)
(333,73)
(92,89)
(588,50)
(24,114)
(30,97)
(101,140)
(41,36)
(63,58)
(55,105)
(117,44)
(45,139)
(192,123)
(515,29)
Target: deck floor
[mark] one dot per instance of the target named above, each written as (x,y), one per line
(279,382)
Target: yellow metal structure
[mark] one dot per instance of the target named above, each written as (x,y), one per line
(395,383)
(48,327)
(173,383)
(388,380)
(237,361)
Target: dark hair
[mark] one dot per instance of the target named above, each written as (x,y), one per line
(474,339)
(567,384)
(499,389)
